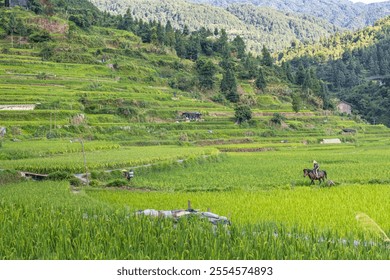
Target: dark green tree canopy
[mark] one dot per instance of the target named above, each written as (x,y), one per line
(267,59)
(229,86)
(206,73)
(260,80)
(242,113)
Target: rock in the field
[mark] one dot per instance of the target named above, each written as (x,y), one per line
(178,214)
(330,183)
(148,212)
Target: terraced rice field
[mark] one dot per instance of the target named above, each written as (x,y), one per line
(250,173)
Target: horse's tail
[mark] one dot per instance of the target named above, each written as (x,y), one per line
(326,175)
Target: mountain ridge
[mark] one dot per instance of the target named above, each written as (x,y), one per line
(279,31)
(343,13)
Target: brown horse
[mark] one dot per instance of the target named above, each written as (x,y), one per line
(310,172)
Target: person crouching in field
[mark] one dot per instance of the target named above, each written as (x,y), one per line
(130,174)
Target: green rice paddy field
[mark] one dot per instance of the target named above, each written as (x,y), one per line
(275,213)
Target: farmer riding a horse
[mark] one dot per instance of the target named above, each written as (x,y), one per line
(315,173)
(316,167)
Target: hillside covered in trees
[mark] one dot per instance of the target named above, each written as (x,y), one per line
(258,26)
(355,67)
(342,13)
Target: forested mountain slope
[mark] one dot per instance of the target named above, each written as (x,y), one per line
(258,26)
(356,67)
(342,13)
